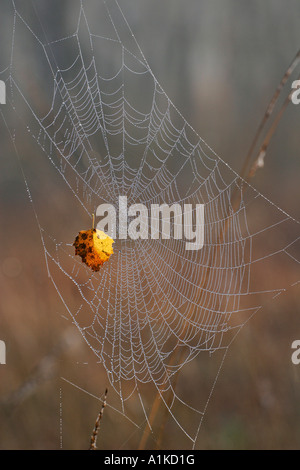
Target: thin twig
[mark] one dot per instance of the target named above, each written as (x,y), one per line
(247,175)
(93,444)
(269,112)
(259,161)
(152,416)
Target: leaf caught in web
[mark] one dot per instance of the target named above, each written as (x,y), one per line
(94,247)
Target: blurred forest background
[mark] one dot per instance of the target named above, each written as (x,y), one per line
(219,61)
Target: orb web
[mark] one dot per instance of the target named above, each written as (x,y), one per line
(103,127)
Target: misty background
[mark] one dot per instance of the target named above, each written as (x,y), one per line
(219,61)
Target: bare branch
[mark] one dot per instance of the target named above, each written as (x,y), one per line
(93,444)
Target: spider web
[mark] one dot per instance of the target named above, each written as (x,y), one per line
(103,127)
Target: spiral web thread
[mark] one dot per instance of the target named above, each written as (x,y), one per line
(110,130)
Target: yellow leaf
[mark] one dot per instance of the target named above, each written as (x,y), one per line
(94,247)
